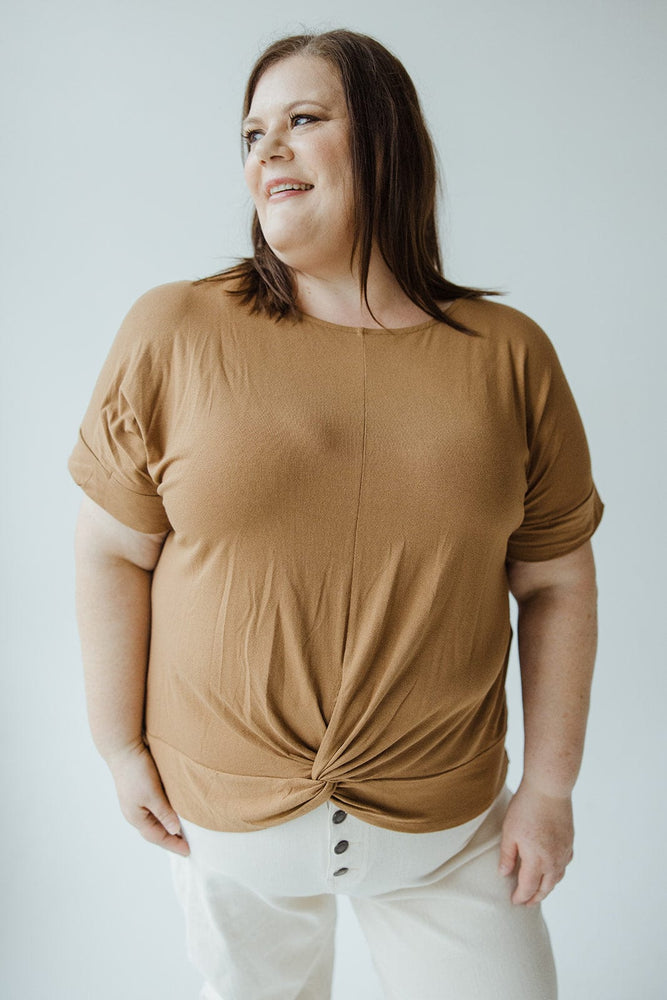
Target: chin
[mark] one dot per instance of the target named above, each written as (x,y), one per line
(288,251)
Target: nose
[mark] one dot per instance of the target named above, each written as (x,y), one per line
(272,145)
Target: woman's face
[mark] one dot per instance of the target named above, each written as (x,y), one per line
(297,132)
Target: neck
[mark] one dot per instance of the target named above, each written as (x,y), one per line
(335,296)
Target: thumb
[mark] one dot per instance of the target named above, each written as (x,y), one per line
(165,815)
(508,856)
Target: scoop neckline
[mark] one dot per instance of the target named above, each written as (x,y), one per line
(414,328)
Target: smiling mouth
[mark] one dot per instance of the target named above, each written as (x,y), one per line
(292,188)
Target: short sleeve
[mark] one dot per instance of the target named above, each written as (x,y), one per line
(117,451)
(562,508)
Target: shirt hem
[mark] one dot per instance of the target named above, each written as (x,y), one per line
(218,800)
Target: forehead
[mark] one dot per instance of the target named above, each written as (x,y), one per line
(298,78)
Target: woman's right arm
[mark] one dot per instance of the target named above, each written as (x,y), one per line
(114,565)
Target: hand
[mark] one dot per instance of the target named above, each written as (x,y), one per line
(538,832)
(142,798)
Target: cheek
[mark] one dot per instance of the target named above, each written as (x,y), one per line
(335,168)
(250,172)
(341,170)
(346,187)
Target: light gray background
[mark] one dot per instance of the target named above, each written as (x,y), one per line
(122,171)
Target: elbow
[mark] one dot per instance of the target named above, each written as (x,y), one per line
(571,576)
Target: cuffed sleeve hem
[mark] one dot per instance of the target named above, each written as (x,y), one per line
(561,536)
(143,512)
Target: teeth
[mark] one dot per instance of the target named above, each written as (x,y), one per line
(289,187)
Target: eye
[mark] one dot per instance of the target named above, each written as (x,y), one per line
(295,119)
(249,137)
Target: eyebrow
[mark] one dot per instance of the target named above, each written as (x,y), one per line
(288,107)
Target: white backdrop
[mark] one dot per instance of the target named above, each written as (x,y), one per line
(121,170)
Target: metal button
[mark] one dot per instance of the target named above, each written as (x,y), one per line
(341,871)
(338,816)
(341,846)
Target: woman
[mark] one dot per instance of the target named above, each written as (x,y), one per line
(311,484)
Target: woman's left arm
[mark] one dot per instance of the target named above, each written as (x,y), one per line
(557,634)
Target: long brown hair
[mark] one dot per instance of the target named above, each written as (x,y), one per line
(395,181)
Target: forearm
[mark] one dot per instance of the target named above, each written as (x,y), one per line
(557,634)
(113,612)
(114,571)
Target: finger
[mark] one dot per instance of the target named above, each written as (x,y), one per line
(547,885)
(529,881)
(538,898)
(508,857)
(152,830)
(158,804)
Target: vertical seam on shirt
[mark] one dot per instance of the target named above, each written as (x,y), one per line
(361,486)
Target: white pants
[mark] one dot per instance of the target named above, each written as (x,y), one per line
(261,910)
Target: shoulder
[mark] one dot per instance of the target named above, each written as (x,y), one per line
(176,313)
(508,333)
(501,322)
(166,306)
